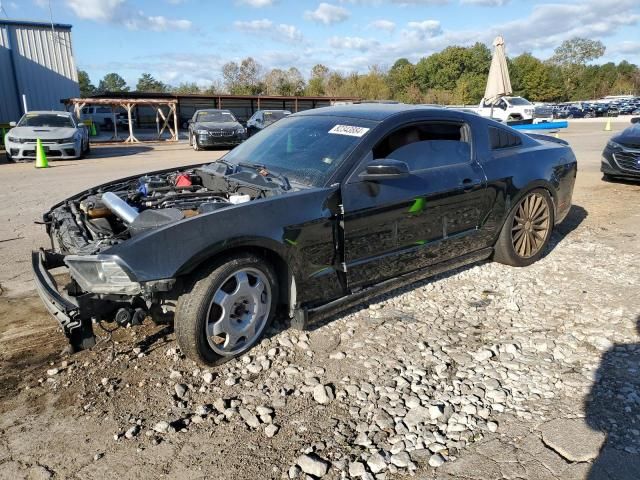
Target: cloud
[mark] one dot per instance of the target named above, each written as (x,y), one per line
(386,25)
(485,3)
(281,32)
(426,28)
(256,3)
(420,2)
(353,43)
(327,14)
(119,12)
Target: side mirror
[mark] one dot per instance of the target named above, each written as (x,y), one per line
(385,169)
(12,124)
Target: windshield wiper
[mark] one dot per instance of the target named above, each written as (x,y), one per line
(263,170)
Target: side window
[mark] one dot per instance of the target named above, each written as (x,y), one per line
(501,104)
(103,110)
(427,145)
(500,138)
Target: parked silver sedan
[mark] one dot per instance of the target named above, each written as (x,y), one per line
(62,136)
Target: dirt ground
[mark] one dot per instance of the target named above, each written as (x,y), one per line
(62,425)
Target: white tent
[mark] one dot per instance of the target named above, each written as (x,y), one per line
(498,83)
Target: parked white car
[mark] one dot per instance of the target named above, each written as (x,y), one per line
(62,136)
(516,109)
(264,118)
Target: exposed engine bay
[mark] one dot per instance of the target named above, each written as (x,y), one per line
(107,215)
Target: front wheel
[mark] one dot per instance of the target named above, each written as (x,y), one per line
(226,309)
(527,230)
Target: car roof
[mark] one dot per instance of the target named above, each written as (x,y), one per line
(369,111)
(212,110)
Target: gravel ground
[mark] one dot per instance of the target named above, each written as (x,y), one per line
(487,372)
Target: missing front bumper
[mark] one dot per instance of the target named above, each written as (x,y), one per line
(77,327)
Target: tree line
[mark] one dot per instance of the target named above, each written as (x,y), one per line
(455,75)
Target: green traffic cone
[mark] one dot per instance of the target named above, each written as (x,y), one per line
(41,157)
(93,129)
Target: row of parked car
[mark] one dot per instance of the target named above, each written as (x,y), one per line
(592,110)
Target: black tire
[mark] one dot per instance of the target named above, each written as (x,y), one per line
(193,308)
(8,157)
(505,251)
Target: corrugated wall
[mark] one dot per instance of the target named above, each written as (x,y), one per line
(45,70)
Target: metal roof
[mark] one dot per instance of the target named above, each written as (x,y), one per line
(33,23)
(135,94)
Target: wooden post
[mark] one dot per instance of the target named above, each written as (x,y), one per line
(115,123)
(174,107)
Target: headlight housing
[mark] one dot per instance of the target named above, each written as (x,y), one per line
(202,132)
(67,140)
(13,139)
(98,275)
(240,130)
(613,145)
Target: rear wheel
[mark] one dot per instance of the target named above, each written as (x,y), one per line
(226,309)
(527,230)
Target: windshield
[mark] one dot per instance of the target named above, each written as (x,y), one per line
(270,117)
(215,116)
(46,120)
(307,149)
(519,101)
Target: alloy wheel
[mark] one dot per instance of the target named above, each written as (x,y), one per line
(238,311)
(531,225)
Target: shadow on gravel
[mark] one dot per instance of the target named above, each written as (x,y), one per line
(574,218)
(613,407)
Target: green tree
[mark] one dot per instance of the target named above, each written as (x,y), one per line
(577,51)
(112,82)
(400,78)
(146,83)
(186,88)
(532,79)
(86,87)
(317,81)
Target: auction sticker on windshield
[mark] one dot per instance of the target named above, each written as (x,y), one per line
(350,130)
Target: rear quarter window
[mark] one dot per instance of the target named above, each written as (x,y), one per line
(500,138)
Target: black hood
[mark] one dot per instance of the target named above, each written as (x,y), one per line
(221,125)
(629,137)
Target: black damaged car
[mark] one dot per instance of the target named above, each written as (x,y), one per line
(324,208)
(621,155)
(215,128)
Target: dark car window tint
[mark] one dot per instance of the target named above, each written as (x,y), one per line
(500,138)
(427,145)
(212,116)
(46,120)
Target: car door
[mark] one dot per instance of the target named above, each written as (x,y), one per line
(395,226)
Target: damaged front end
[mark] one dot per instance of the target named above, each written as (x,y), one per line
(84,228)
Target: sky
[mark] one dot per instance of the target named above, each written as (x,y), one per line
(189,40)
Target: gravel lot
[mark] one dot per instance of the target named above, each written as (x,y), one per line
(487,372)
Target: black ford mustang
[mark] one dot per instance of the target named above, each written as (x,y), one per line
(325,207)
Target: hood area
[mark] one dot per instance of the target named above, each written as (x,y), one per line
(43,133)
(104,216)
(629,137)
(218,125)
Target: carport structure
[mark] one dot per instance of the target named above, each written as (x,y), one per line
(129,104)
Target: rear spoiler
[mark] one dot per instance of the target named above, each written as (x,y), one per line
(547,138)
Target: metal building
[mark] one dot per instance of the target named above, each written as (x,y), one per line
(36,60)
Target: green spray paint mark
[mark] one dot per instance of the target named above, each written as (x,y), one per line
(291,242)
(418,205)
(420,242)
